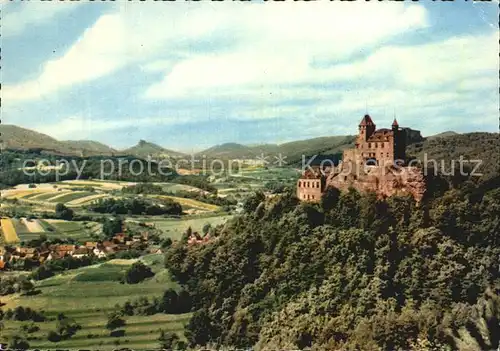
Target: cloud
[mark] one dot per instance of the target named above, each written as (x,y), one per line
(310,68)
(240,43)
(16,17)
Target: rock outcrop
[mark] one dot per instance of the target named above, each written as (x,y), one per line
(384,180)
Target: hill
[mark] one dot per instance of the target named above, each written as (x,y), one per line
(292,150)
(443,135)
(144,149)
(483,147)
(353,273)
(90,146)
(17,138)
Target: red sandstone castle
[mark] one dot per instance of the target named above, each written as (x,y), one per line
(374,164)
(377,146)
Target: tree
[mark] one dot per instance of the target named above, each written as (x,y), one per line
(169,303)
(206,228)
(18,343)
(115,321)
(26,286)
(62,212)
(166,243)
(66,327)
(253,201)
(112,226)
(53,336)
(168,340)
(137,273)
(330,198)
(199,330)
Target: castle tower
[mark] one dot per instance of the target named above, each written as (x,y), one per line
(395,125)
(399,141)
(366,128)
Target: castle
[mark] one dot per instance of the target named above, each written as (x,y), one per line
(376,163)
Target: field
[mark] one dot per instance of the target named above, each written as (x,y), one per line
(33,225)
(175,228)
(47,195)
(80,231)
(9,232)
(174,187)
(101,184)
(190,203)
(86,199)
(74,195)
(87,295)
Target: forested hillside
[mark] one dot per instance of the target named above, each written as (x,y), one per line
(483,147)
(351,273)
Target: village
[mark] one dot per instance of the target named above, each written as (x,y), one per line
(121,244)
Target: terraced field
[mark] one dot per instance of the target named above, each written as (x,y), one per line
(87,295)
(86,199)
(18,193)
(33,225)
(71,196)
(174,187)
(31,195)
(62,229)
(104,184)
(48,195)
(8,230)
(190,203)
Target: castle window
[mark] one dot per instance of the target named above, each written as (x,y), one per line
(387,154)
(312,197)
(382,145)
(369,145)
(300,184)
(376,145)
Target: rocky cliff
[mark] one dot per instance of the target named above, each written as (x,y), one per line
(385,181)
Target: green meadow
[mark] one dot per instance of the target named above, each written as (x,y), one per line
(87,295)
(175,228)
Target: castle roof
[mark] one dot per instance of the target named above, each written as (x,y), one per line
(395,123)
(380,135)
(366,121)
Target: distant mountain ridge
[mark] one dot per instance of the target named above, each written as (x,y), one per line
(14,137)
(90,146)
(145,148)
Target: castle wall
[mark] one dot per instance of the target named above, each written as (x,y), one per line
(310,189)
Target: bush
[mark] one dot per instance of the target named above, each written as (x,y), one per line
(62,212)
(30,328)
(117,333)
(53,336)
(18,343)
(137,273)
(115,321)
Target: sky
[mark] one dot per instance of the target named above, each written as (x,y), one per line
(189,75)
